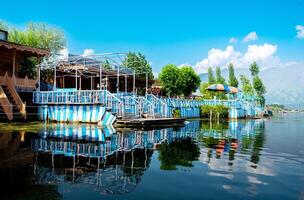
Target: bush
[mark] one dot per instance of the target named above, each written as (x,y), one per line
(176,113)
(221,109)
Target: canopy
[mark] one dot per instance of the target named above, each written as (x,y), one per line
(233,90)
(219,88)
(223,88)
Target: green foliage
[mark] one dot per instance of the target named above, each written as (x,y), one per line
(39,35)
(206,93)
(27,67)
(177,81)
(217,109)
(211,79)
(254,69)
(219,78)
(138,63)
(259,87)
(232,79)
(246,86)
(179,152)
(188,80)
(36,35)
(176,113)
(47,75)
(106,65)
(168,78)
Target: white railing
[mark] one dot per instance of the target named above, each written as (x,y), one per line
(158,104)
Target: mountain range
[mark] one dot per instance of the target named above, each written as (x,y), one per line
(284,85)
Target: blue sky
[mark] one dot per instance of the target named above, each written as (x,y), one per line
(179,31)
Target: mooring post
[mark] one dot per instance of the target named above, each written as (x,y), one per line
(210,115)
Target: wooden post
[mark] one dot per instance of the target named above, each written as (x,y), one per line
(14,62)
(210,115)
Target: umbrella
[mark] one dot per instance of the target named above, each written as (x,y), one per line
(234,90)
(219,88)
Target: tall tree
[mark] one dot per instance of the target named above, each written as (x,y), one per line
(188,80)
(232,79)
(254,69)
(219,78)
(168,78)
(138,63)
(211,79)
(258,85)
(246,86)
(260,89)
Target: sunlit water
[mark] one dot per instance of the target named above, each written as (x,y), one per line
(255,159)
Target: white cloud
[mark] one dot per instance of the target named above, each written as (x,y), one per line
(264,55)
(250,37)
(63,54)
(88,52)
(218,57)
(300,31)
(261,53)
(233,40)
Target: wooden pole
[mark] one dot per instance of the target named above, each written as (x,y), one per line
(14,62)
(126,84)
(76,81)
(134,82)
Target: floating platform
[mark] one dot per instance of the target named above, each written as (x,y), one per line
(150,122)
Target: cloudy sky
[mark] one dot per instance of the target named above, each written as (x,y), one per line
(198,33)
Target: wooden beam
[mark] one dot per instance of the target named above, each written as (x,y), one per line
(14,62)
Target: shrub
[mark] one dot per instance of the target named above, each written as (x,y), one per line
(217,109)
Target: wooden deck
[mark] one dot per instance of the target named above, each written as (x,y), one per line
(150,122)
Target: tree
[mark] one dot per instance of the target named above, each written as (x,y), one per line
(260,89)
(219,78)
(254,69)
(188,80)
(106,65)
(246,86)
(258,85)
(39,35)
(36,35)
(138,63)
(232,79)
(180,152)
(168,78)
(211,79)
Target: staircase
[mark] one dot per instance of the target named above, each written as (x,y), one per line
(10,101)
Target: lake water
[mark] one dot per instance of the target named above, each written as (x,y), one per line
(255,159)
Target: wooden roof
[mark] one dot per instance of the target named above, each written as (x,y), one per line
(23,48)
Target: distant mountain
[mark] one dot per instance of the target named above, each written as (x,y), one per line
(284,85)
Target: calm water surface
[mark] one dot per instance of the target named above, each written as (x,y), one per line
(256,159)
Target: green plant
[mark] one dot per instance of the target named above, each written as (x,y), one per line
(215,111)
(176,113)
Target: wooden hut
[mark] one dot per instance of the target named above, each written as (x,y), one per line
(12,81)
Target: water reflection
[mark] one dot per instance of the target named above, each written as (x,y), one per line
(114,162)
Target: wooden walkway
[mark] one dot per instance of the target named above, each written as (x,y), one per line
(150,122)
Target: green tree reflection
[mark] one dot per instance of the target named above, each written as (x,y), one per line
(178,152)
